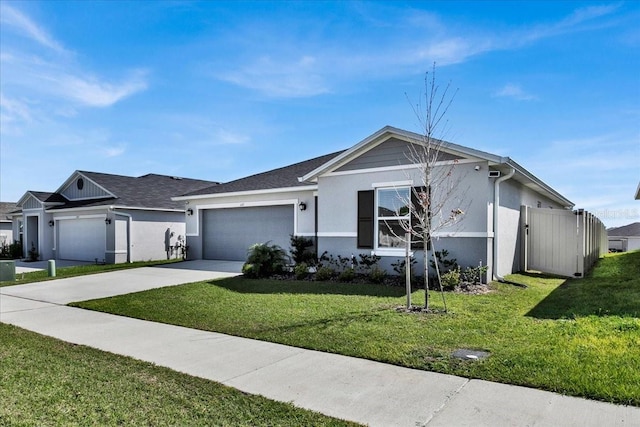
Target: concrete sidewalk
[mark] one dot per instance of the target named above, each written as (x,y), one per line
(355,389)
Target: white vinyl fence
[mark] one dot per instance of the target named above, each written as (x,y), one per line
(566,243)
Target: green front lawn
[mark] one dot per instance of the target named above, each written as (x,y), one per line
(46,382)
(579,337)
(80,270)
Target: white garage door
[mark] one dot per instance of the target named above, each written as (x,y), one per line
(228,233)
(82,239)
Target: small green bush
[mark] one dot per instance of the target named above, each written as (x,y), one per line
(324,273)
(377,275)
(302,250)
(450,279)
(347,275)
(264,260)
(301,271)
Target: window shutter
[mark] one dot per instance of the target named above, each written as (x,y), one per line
(415,224)
(365,219)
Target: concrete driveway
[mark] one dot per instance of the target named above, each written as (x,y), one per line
(120,282)
(345,387)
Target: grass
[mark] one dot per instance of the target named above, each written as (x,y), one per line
(79,270)
(577,337)
(49,382)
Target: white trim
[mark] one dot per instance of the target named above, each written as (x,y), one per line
(337,234)
(137,208)
(118,252)
(399,167)
(482,234)
(438,234)
(247,204)
(392,184)
(62,218)
(305,234)
(248,193)
(112,207)
(400,252)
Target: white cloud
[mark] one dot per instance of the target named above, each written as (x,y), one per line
(93,92)
(511,90)
(295,66)
(227,137)
(279,78)
(48,85)
(14,18)
(114,151)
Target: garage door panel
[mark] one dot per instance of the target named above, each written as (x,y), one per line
(228,233)
(82,239)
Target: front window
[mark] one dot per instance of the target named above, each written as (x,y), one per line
(393,209)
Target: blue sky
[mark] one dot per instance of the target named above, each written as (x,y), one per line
(221,90)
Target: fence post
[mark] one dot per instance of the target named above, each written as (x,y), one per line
(580,243)
(524,232)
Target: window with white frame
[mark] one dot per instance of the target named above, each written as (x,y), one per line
(392,209)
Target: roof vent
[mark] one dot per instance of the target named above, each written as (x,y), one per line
(176,178)
(494,174)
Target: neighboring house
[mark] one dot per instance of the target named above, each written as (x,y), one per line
(625,238)
(6,229)
(638,192)
(337,200)
(105,218)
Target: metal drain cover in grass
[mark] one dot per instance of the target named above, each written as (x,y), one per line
(466,354)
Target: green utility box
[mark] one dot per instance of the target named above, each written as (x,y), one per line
(7,270)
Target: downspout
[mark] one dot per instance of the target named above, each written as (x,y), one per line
(496,206)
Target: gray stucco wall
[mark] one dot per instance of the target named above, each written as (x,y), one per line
(338,211)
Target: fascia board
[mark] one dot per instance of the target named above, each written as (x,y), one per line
(112,207)
(246,193)
(384,134)
(550,192)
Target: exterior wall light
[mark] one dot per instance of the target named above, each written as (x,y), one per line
(189,211)
(302,206)
(51,223)
(107,221)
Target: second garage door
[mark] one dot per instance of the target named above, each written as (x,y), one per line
(228,233)
(82,239)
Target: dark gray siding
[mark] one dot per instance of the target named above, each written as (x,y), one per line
(393,152)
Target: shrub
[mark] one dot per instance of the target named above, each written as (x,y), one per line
(300,250)
(474,274)
(444,263)
(347,275)
(451,279)
(377,275)
(301,271)
(324,273)
(33,253)
(368,263)
(264,260)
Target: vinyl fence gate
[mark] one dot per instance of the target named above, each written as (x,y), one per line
(562,242)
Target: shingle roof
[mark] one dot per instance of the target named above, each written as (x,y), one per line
(628,230)
(147,191)
(47,197)
(285,177)
(7,208)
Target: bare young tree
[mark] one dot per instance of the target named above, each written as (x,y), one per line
(430,205)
